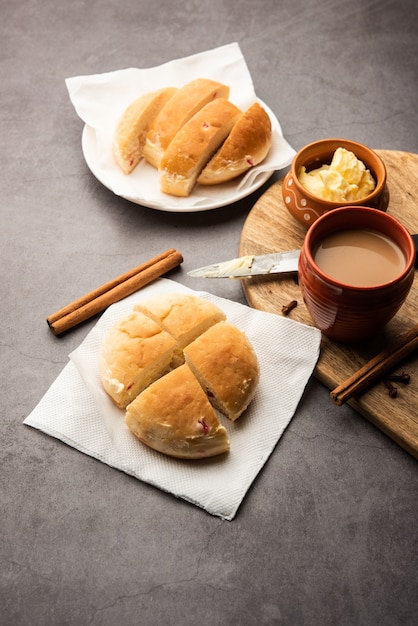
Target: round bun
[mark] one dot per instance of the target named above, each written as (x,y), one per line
(194,145)
(247,145)
(188,100)
(175,363)
(132,128)
(226,366)
(134,352)
(174,416)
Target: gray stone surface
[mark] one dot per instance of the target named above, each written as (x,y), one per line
(327,535)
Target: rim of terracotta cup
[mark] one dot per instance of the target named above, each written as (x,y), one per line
(408,249)
(377,167)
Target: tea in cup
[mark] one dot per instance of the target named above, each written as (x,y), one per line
(356,269)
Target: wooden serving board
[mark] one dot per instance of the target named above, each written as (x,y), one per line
(269,227)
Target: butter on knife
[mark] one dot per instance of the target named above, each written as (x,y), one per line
(251,265)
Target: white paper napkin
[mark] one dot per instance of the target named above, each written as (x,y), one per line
(78,412)
(100,100)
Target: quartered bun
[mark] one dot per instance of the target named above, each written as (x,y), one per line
(226,366)
(173,363)
(174,416)
(134,352)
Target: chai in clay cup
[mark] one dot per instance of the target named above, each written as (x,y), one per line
(343,312)
(305,207)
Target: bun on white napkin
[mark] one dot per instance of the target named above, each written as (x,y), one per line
(172,363)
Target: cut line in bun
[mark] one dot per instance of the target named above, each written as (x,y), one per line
(225,364)
(192,135)
(246,146)
(134,352)
(194,145)
(188,100)
(184,316)
(174,416)
(175,364)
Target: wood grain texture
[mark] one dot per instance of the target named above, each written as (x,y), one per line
(269,227)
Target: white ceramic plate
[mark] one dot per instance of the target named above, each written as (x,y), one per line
(203,198)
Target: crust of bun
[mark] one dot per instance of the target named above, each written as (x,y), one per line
(194,145)
(247,145)
(134,352)
(188,100)
(184,316)
(226,366)
(132,128)
(174,416)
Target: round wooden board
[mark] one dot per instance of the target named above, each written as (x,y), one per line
(269,227)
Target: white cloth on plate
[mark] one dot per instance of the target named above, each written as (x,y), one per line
(100,100)
(77,411)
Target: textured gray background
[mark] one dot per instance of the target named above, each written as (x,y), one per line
(328,532)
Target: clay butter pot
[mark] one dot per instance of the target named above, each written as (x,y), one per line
(304,206)
(344,312)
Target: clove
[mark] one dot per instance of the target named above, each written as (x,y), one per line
(393,391)
(286,308)
(400,378)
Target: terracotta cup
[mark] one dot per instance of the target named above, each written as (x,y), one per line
(343,312)
(304,206)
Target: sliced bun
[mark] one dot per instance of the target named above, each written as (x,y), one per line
(184,316)
(188,100)
(247,145)
(225,364)
(194,145)
(174,416)
(132,128)
(134,352)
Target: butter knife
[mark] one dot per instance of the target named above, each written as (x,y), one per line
(251,265)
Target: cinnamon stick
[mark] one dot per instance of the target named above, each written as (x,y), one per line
(377,367)
(124,285)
